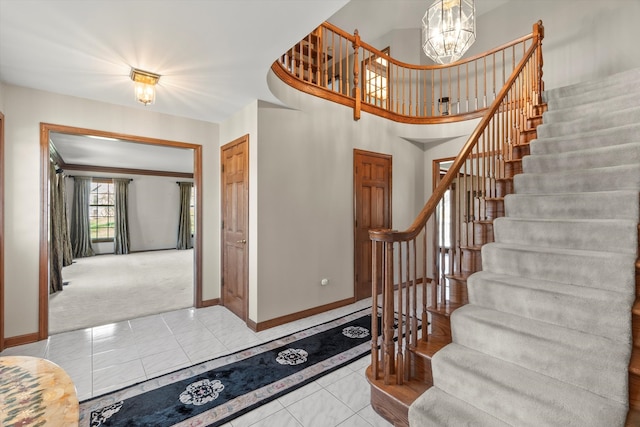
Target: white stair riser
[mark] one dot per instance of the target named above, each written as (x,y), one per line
(602,205)
(619,118)
(626,177)
(583,309)
(538,346)
(598,235)
(625,154)
(518,396)
(600,270)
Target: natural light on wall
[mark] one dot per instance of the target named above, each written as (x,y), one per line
(448,29)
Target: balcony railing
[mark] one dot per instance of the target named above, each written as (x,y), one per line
(338,66)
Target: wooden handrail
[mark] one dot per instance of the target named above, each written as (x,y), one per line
(438,193)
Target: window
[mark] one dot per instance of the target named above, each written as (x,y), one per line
(102,210)
(376,76)
(192,210)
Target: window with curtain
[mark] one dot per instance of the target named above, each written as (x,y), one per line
(80,219)
(102,210)
(121,218)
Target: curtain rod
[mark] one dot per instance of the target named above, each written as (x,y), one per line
(178,182)
(98,177)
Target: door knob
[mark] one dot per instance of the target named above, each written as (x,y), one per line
(241,241)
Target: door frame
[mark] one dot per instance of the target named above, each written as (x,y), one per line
(237,141)
(355,206)
(45,129)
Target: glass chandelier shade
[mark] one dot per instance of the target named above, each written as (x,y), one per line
(145,85)
(448,29)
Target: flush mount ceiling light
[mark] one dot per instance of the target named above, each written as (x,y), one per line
(145,85)
(448,29)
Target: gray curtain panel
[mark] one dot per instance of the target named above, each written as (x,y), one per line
(184,224)
(67,252)
(55,246)
(121,233)
(80,223)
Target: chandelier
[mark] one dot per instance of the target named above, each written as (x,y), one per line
(448,29)
(145,85)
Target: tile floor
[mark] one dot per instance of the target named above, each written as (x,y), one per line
(112,356)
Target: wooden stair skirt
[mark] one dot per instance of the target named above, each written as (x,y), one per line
(392,401)
(633,419)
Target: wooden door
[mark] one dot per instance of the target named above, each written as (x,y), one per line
(235,220)
(372,205)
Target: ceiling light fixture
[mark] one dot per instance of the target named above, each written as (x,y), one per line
(448,29)
(145,85)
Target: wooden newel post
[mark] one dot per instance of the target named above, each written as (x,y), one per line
(356,72)
(538,32)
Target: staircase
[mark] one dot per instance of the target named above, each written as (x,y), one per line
(546,337)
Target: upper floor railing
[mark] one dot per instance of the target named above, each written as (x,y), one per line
(338,66)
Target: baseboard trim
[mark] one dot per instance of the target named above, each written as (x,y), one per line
(210,302)
(261,326)
(20,340)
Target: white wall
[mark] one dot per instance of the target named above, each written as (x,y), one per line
(24,110)
(404,44)
(154,211)
(305,198)
(584,39)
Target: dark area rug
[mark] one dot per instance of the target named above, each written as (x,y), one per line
(214,392)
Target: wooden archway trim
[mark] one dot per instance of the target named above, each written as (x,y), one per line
(1,232)
(45,129)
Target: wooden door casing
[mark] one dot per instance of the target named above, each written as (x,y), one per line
(235,221)
(372,210)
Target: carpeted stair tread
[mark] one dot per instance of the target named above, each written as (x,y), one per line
(547,335)
(623,154)
(594,269)
(518,396)
(624,101)
(590,123)
(623,81)
(591,96)
(577,141)
(623,177)
(591,310)
(599,364)
(595,205)
(593,234)
(437,408)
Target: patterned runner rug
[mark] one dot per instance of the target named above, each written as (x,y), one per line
(214,392)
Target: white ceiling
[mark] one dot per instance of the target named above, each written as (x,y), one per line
(109,153)
(213,55)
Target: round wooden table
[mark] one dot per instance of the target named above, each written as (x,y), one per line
(36,391)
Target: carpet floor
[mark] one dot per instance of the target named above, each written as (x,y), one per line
(111,288)
(214,392)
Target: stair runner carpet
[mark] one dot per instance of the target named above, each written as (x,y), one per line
(546,337)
